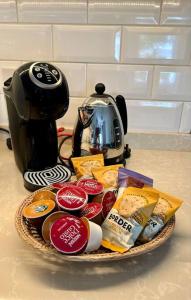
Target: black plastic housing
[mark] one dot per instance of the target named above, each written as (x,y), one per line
(32,109)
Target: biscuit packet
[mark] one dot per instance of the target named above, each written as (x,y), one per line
(128,178)
(165,208)
(83,165)
(127,218)
(107,176)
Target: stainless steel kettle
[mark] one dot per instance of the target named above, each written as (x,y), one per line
(100,127)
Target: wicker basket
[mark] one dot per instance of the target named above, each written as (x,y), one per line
(32,237)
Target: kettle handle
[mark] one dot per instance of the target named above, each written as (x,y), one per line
(121,105)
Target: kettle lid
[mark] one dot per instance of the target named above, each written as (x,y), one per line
(100,89)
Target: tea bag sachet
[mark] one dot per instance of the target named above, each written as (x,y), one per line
(165,208)
(107,175)
(127,178)
(127,218)
(83,165)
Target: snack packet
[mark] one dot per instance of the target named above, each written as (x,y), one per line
(165,208)
(107,175)
(128,178)
(127,218)
(83,165)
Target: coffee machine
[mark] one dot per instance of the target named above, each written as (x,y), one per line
(36,96)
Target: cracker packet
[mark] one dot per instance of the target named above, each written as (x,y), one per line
(107,176)
(83,165)
(165,208)
(128,178)
(127,218)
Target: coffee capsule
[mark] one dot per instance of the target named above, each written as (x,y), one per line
(71,198)
(107,200)
(44,195)
(93,212)
(69,235)
(91,186)
(38,210)
(94,235)
(48,223)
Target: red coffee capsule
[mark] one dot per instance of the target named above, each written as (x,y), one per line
(91,186)
(60,185)
(108,201)
(71,198)
(69,235)
(93,212)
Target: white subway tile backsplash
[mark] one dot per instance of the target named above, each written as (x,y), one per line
(156,45)
(3,111)
(128,80)
(25,42)
(60,11)
(8,11)
(96,41)
(7,69)
(86,43)
(124,12)
(154,116)
(76,77)
(69,119)
(185,125)
(172,83)
(176,12)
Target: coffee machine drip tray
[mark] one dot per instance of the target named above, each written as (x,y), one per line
(34,180)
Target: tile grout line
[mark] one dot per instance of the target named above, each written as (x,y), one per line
(17,14)
(181,115)
(152,82)
(180,26)
(106,63)
(160,14)
(121,46)
(52,42)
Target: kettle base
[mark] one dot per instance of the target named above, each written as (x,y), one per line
(115,160)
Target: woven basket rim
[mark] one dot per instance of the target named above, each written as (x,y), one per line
(32,238)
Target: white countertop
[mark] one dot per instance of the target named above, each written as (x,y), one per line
(165,273)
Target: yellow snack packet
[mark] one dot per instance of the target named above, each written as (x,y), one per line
(127,218)
(83,165)
(165,208)
(108,175)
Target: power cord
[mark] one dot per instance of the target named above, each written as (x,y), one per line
(8,140)
(66,136)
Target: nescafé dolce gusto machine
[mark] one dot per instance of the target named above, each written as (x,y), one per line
(36,96)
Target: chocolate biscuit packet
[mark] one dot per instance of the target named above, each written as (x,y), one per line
(127,178)
(107,176)
(127,218)
(165,208)
(83,165)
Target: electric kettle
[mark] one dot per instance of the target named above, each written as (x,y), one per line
(100,127)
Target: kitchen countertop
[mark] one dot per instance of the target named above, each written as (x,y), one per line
(164,273)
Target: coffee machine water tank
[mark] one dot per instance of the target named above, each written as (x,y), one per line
(36,96)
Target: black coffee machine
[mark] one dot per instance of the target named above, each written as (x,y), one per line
(36,96)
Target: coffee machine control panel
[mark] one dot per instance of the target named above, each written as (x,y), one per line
(45,75)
